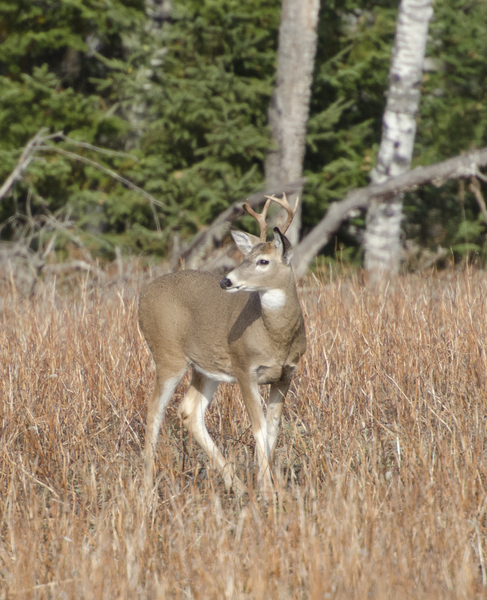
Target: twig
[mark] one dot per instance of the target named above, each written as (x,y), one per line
(475,189)
(37,143)
(24,161)
(96,148)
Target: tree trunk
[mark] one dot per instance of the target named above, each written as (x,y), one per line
(383,223)
(289,109)
(158,14)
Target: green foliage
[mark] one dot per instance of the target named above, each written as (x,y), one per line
(348,99)
(453,119)
(208,101)
(202,138)
(52,57)
(469,240)
(184,110)
(454,97)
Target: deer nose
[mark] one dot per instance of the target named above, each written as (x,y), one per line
(225,283)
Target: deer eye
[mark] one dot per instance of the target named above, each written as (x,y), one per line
(262,261)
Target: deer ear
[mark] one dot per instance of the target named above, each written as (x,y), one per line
(244,241)
(283,246)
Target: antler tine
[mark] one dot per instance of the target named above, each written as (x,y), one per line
(260,218)
(290,211)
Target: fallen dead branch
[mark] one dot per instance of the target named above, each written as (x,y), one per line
(460,167)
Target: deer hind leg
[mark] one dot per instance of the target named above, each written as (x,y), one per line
(165,385)
(192,411)
(275,404)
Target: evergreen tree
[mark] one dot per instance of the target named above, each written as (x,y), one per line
(207,139)
(201,140)
(348,100)
(63,67)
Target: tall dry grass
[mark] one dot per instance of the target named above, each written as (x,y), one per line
(381,472)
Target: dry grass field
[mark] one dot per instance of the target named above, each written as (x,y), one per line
(381,463)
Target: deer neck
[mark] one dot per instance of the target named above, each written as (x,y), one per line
(281,313)
(273,300)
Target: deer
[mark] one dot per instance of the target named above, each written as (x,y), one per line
(247,328)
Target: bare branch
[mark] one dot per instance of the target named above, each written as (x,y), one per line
(112,174)
(460,167)
(24,161)
(38,143)
(106,151)
(475,189)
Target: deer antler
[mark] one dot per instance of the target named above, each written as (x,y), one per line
(290,211)
(262,217)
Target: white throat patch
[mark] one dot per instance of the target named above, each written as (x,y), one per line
(273,299)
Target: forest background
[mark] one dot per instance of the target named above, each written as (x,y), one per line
(179,104)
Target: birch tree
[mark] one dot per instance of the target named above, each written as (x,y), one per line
(289,109)
(383,223)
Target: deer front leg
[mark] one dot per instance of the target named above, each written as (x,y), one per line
(192,411)
(253,404)
(275,404)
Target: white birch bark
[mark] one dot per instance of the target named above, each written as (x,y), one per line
(289,109)
(383,223)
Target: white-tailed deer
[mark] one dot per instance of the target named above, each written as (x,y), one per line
(247,328)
